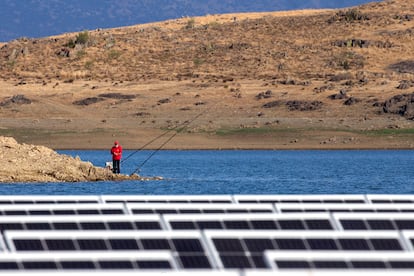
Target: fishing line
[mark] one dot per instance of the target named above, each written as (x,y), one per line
(184,125)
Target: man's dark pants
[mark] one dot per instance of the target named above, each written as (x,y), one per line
(116,166)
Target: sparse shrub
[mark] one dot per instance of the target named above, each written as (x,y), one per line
(350,15)
(89,65)
(82,38)
(70,44)
(114,54)
(214,25)
(190,23)
(198,61)
(348,60)
(341,77)
(80,53)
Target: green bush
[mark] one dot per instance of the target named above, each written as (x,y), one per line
(70,44)
(82,38)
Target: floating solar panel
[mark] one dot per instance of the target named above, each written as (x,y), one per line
(349,199)
(61,209)
(390,199)
(198,208)
(250,221)
(339,260)
(167,199)
(344,208)
(55,199)
(87,223)
(239,234)
(370,221)
(155,260)
(188,248)
(250,246)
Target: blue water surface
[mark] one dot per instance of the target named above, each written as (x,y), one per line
(245,172)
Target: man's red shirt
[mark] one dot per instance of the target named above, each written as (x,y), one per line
(116,152)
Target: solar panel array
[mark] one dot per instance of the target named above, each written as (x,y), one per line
(230,235)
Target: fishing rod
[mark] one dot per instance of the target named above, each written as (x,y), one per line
(183,125)
(154,152)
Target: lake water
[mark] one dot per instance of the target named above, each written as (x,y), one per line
(246,172)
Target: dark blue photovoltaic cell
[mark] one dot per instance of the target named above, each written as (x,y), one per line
(322,244)
(154,264)
(177,225)
(39,265)
(187,245)
(166,211)
(318,224)
(88,212)
(291,224)
(330,264)
(209,225)
(15,213)
(112,211)
(368,264)
(353,244)
(258,261)
(123,244)
(402,264)
(405,224)
(91,244)
(147,225)
(116,265)
(264,224)
(236,224)
(386,244)
(189,211)
(38,226)
(39,212)
(77,265)
(142,211)
(92,225)
(353,224)
(380,224)
(292,264)
(155,244)
(28,245)
(259,245)
(65,226)
(10,226)
(213,211)
(290,244)
(228,245)
(60,244)
(120,225)
(235,261)
(195,261)
(64,212)
(5,265)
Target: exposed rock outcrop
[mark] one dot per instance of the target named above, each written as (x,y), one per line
(401,104)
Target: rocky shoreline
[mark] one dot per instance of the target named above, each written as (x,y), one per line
(34,163)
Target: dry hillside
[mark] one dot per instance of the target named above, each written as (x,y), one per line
(302,79)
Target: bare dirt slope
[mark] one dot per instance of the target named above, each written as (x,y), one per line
(283,80)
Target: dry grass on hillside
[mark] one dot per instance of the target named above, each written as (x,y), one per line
(305,76)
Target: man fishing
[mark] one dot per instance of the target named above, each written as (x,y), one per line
(116,152)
